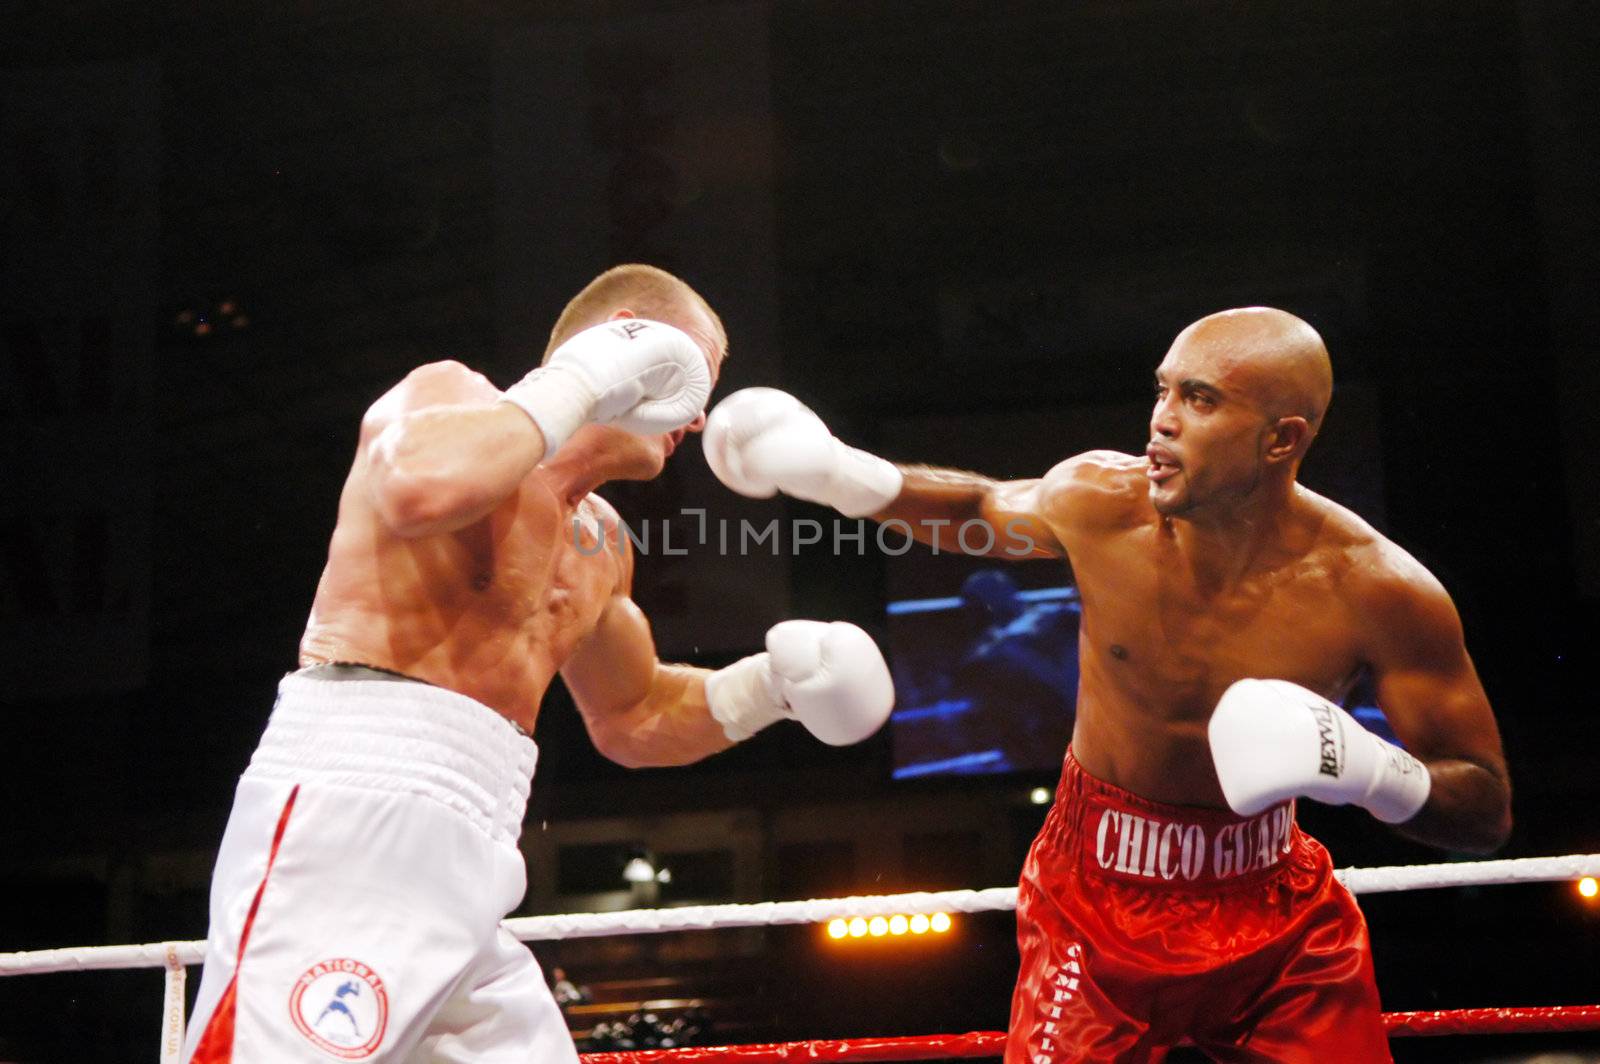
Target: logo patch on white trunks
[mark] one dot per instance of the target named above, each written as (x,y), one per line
(341,1007)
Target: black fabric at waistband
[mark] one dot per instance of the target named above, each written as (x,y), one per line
(354,670)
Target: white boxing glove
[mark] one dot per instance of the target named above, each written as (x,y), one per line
(1272,740)
(830,677)
(643,376)
(760,441)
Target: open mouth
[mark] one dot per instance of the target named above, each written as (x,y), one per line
(1163,464)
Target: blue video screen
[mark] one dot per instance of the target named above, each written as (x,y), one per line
(986,680)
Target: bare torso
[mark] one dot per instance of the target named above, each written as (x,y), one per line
(1162,637)
(491,610)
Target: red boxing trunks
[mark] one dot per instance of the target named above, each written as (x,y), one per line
(1144,926)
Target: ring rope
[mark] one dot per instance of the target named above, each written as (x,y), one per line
(172,1018)
(707,917)
(921,1047)
(1540,1020)
(1545,1019)
(1390,878)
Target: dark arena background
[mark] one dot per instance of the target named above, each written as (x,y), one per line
(963,232)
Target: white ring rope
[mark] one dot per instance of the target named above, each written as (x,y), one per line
(172,1018)
(705,917)
(1469,873)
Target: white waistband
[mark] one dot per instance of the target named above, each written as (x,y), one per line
(405,737)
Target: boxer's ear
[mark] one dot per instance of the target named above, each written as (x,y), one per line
(1288,438)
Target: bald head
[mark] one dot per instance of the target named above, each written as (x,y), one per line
(1270,353)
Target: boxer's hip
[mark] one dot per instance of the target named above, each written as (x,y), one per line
(1185,889)
(1102,832)
(401,737)
(1155,921)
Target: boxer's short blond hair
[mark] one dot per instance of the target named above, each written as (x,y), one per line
(648,291)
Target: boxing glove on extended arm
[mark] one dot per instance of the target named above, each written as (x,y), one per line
(760,441)
(830,677)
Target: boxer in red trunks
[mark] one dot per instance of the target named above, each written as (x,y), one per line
(1169,898)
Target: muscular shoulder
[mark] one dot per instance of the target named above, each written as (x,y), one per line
(594,508)
(597,520)
(1394,595)
(433,384)
(1095,488)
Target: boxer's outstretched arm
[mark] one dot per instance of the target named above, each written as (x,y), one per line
(761,441)
(828,676)
(1430,692)
(639,712)
(936,503)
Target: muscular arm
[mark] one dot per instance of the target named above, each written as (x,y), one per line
(935,503)
(1430,692)
(1029,518)
(639,712)
(442,451)
(760,441)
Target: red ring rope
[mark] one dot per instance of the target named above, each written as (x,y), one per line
(1546,1019)
(1542,1020)
(923,1047)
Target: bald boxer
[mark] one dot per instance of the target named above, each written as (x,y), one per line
(1169,898)
(371,852)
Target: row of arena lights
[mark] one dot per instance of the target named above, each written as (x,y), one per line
(898,925)
(879,926)
(939,923)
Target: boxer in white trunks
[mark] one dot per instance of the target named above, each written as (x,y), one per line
(371,851)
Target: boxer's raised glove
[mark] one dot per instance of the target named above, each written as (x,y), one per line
(643,376)
(830,677)
(760,441)
(1272,739)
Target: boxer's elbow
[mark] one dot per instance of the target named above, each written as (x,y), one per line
(1502,831)
(413,500)
(1479,825)
(1482,839)
(629,752)
(412,493)
(411,507)
(1496,822)
(1497,826)
(616,737)
(618,746)
(651,739)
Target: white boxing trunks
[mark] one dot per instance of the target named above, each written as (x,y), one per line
(357,897)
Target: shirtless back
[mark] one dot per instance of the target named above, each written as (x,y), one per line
(465,552)
(386,813)
(491,609)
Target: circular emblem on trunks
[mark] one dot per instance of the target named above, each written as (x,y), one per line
(341,1007)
